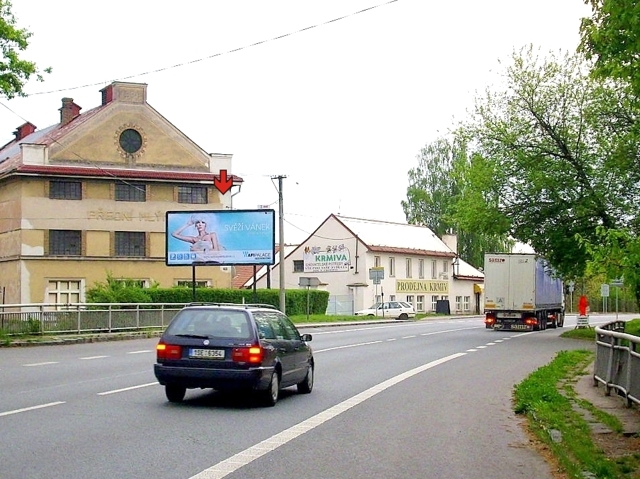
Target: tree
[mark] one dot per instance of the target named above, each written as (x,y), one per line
(432,195)
(15,72)
(611,37)
(555,157)
(617,255)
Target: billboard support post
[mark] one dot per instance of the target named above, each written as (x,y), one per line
(255,290)
(193,282)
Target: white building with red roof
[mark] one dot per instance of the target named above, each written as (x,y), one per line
(346,254)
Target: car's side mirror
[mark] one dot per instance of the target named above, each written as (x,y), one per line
(306,337)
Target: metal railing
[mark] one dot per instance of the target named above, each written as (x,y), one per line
(49,318)
(617,363)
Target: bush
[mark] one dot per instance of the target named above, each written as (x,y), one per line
(128,291)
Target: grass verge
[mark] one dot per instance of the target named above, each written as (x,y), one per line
(549,402)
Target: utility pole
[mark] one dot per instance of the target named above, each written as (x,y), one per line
(281,250)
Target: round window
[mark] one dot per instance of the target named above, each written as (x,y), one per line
(130,140)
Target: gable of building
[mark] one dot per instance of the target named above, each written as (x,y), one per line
(95,138)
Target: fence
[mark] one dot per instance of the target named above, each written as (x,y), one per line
(340,305)
(617,364)
(44,318)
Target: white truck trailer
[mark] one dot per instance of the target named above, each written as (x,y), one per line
(521,293)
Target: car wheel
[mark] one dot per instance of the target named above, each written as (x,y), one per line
(175,393)
(306,386)
(270,395)
(403,317)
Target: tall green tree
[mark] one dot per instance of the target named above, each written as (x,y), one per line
(15,71)
(555,158)
(432,195)
(611,37)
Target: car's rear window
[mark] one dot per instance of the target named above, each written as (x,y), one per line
(211,323)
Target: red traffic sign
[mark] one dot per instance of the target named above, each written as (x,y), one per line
(223,183)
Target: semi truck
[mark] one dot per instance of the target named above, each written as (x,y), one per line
(521,293)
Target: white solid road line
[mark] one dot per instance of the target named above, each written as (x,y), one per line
(232,464)
(243,458)
(32,408)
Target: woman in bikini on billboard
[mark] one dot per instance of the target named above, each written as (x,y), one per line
(204,241)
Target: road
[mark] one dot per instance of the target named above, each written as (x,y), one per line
(402,400)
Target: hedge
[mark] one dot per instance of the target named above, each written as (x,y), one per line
(295,299)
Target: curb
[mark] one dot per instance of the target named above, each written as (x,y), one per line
(102,337)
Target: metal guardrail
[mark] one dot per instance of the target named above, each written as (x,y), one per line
(50,318)
(617,363)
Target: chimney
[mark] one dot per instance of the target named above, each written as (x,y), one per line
(107,94)
(24,130)
(451,240)
(124,92)
(69,111)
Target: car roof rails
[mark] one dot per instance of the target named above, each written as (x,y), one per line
(237,305)
(260,305)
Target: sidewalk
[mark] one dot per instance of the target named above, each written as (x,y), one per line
(612,404)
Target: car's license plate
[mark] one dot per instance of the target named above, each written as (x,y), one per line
(207,353)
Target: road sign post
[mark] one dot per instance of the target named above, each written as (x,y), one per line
(572,286)
(617,283)
(308,283)
(376,274)
(604,292)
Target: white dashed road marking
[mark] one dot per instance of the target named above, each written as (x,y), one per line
(243,458)
(114,391)
(32,408)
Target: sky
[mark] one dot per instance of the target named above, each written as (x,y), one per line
(336,96)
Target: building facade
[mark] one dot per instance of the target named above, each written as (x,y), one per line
(361,262)
(86,198)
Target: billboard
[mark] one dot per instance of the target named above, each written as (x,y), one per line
(220,237)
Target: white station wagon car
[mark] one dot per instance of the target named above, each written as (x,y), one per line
(389,309)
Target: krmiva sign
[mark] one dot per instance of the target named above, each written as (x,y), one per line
(330,259)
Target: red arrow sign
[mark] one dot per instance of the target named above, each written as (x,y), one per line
(223,184)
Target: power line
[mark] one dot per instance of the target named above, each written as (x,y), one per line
(234,50)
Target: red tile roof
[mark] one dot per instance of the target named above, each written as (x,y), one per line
(97,172)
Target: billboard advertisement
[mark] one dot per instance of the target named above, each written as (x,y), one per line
(220,237)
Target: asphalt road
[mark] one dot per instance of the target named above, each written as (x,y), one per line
(402,400)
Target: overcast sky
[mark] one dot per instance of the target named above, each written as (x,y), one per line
(341,109)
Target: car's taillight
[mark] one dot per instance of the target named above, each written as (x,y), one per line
(531,321)
(489,319)
(168,351)
(251,354)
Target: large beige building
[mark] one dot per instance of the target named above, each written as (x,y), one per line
(87,197)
